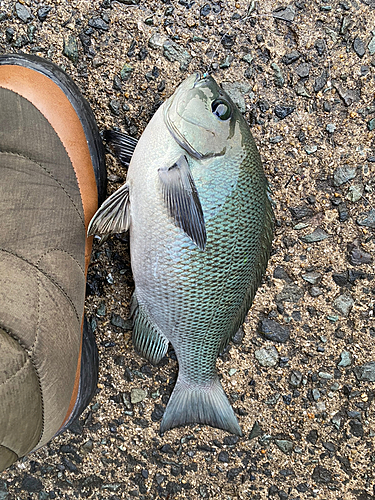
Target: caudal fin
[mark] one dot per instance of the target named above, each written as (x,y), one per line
(200,405)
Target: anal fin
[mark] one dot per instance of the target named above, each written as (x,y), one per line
(147,338)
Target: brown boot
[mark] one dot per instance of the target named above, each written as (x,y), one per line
(52,179)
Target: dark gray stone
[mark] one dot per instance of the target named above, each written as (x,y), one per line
(312,436)
(359,47)
(283,111)
(285,14)
(343,304)
(228,41)
(290,293)
(321,81)
(357,256)
(291,57)
(223,456)
(356,428)
(273,331)
(116,320)
(313,278)
(318,235)
(23,12)
(321,475)
(366,372)
(158,413)
(347,95)
(367,219)
(343,212)
(43,12)
(343,174)
(174,52)
(280,274)
(70,49)
(114,106)
(98,24)
(303,70)
(301,212)
(284,445)
(31,484)
(278,75)
(295,378)
(256,431)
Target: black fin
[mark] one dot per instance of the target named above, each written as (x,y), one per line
(121,145)
(191,404)
(113,216)
(182,200)
(147,339)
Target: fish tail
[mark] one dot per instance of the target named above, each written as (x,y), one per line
(193,404)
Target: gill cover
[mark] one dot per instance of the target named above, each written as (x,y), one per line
(201,117)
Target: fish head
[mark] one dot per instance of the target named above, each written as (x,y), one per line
(202,118)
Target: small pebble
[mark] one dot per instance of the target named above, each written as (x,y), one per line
(285,13)
(359,47)
(365,372)
(23,12)
(174,52)
(318,235)
(357,256)
(278,75)
(313,278)
(345,359)
(284,445)
(303,70)
(344,174)
(367,219)
(137,395)
(267,356)
(272,330)
(343,304)
(70,49)
(283,111)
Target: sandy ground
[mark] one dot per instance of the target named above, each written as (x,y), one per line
(315,420)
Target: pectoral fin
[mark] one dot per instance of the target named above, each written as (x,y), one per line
(121,145)
(182,200)
(113,216)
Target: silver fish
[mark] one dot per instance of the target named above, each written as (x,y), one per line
(196,202)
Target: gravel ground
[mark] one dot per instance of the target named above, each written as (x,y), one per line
(302,379)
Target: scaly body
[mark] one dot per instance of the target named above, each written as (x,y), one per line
(191,294)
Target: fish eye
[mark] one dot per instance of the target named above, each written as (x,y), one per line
(221,109)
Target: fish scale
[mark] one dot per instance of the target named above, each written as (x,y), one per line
(193,293)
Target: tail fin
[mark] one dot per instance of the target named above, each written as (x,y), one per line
(200,405)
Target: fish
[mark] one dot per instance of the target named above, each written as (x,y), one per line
(197,204)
